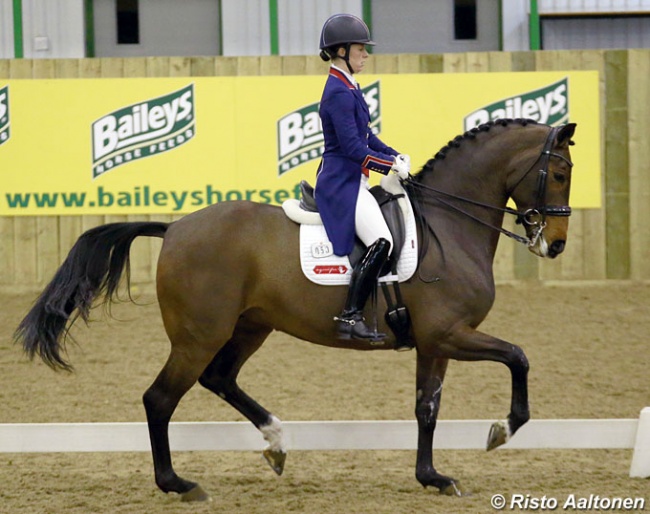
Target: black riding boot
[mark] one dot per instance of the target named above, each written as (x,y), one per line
(364,277)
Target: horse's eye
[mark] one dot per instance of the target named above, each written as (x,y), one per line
(559,177)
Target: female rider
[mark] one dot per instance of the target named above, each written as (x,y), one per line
(351,151)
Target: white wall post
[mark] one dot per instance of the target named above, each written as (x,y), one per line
(641,457)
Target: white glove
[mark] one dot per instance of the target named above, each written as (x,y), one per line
(402,166)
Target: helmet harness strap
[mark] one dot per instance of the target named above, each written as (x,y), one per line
(333,54)
(346,57)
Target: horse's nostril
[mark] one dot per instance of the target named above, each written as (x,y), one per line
(557,247)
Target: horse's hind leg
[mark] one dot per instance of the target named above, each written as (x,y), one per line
(429,378)
(220,377)
(178,375)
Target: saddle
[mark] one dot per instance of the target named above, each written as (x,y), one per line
(389,208)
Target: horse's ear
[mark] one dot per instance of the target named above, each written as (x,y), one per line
(565,134)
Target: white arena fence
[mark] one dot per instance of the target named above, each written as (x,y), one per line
(334,435)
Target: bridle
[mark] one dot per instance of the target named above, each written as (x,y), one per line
(534,217)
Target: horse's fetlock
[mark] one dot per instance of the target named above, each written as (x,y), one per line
(165,481)
(429,477)
(518,418)
(424,475)
(272,432)
(170,482)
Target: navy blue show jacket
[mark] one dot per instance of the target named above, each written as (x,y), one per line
(351,149)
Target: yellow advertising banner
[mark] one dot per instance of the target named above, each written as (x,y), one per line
(175,145)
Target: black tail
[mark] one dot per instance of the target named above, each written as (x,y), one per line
(93,268)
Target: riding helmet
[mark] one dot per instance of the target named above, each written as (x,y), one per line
(342,29)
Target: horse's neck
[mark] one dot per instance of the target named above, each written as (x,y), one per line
(477,168)
(456,220)
(476,175)
(476,179)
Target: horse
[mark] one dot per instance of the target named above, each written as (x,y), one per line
(227,277)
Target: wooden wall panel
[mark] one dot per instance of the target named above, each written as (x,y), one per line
(47,227)
(570,264)
(7,254)
(594,250)
(499,62)
(639,162)
(24,227)
(610,242)
(617,184)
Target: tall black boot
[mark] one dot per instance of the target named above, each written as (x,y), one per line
(364,276)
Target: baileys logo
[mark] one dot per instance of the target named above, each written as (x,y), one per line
(4,115)
(300,133)
(144,129)
(549,105)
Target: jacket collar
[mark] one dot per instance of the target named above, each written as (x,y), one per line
(343,76)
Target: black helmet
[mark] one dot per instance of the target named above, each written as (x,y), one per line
(341,29)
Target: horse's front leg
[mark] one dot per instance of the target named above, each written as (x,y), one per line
(429,378)
(471,345)
(502,431)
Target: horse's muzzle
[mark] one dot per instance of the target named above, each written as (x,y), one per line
(556,248)
(542,248)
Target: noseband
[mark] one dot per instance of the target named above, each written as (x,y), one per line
(534,217)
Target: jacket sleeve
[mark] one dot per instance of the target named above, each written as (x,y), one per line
(379,146)
(341,108)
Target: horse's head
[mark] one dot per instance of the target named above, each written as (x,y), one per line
(542,194)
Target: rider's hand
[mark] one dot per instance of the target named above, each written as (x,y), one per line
(402,166)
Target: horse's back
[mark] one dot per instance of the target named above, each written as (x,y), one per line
(229,230)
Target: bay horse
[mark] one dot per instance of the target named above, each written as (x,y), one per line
(228,275)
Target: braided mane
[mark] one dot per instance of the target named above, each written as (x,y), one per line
(471,134)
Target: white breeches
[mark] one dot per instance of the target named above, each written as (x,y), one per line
(369,222)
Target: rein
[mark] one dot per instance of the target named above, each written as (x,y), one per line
(507,210)
(535,217)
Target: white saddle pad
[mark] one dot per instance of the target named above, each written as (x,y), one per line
(317,259)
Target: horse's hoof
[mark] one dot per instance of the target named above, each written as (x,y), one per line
(276,459)
(196,494)
(499,434)
(453,489)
